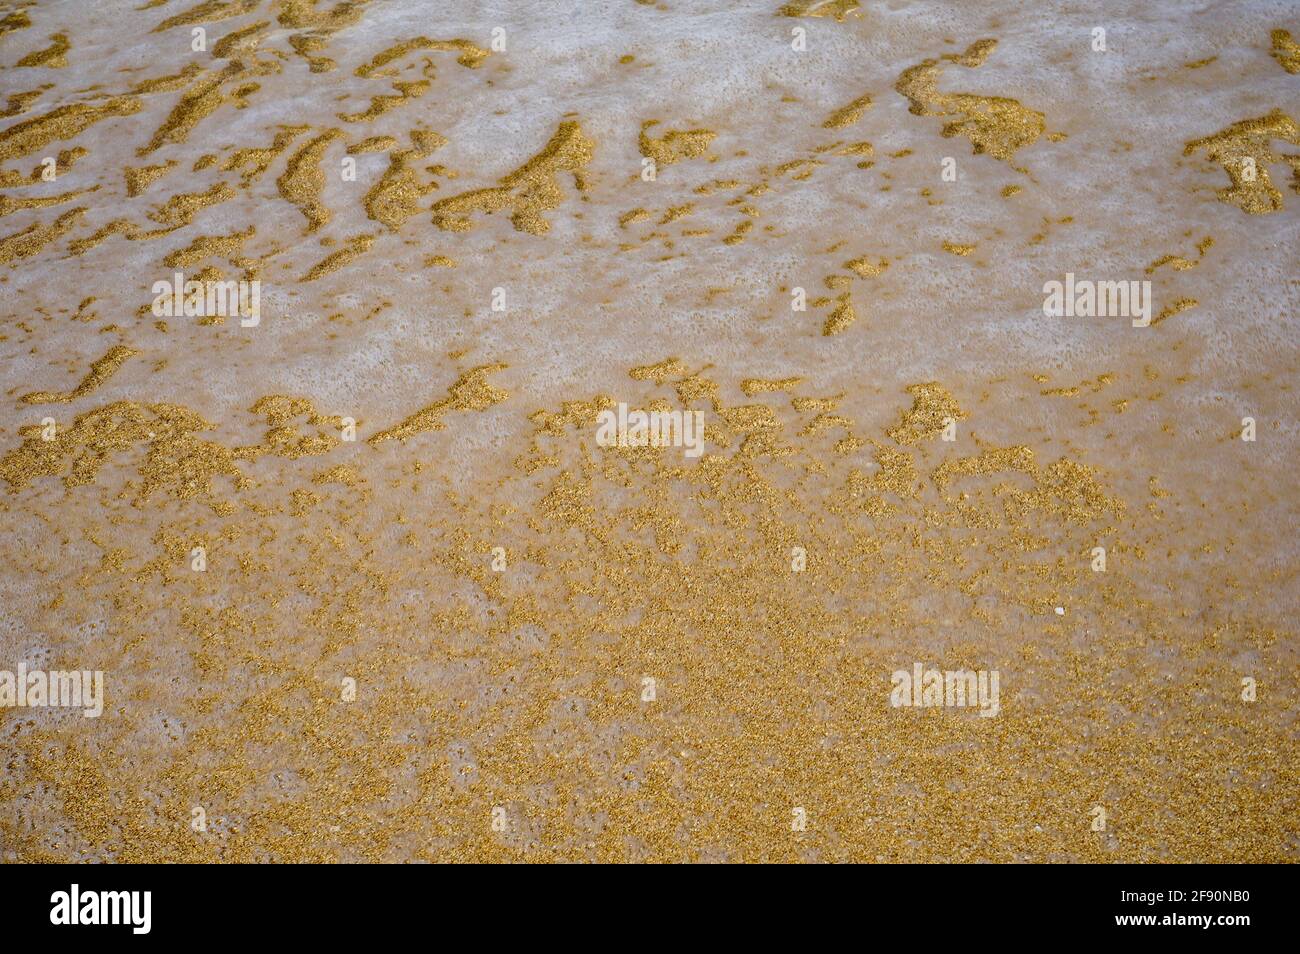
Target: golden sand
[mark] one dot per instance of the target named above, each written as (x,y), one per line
(365,585)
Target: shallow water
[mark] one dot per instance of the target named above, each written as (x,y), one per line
(438,332)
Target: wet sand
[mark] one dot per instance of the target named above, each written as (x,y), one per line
(364,585)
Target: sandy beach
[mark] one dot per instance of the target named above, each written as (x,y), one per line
(310,313)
